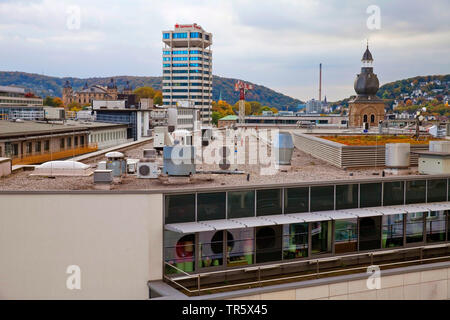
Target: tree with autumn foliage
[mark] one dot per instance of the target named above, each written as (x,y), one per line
(149,93)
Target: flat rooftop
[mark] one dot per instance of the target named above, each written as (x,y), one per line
(10,128)
(303,169)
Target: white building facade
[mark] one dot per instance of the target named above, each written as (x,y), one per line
(187,68)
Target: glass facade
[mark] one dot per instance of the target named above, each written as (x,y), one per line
(436,190)
(268,244)
(321,237)
(346,236)
(238,247)
(393,193)
(369,233)
(179,208)
(346,196)
(268,202)
(179,35)
(414,227)
(322,198)
(241,204)
(296,200)
(370,195)
(393,231)
(179,251)
(416,191)
(211,206)
(295,240)
(436,227)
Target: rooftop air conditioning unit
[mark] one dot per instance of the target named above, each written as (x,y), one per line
(150,153)
(132,165)
(103,176)
(147,170)
(101,165)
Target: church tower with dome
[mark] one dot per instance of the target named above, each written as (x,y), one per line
(366,106)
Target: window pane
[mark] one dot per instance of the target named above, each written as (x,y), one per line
(393,193)
(268,244)
(436,226)
(241,204)
(322,198)
(415,191)
(296,200)
(268,202)
(393,231)
(347,196)
(346,236)
(211,206)
(180,208)
(211,249)
(321,237)
(370,195)
(240,248)
(179,251)
(414,227)
(295,240)
(369,233)
(437,190)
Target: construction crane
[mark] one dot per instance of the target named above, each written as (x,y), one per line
(242,87)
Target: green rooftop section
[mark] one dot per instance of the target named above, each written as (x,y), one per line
(229,117)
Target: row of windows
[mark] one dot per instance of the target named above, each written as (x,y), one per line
(183,58)
(248,246)
(168,52)
(186,84)
(187,71)
(176,65)
(108,136)
(174,103)
(184,35)
(249,203)
(187,78)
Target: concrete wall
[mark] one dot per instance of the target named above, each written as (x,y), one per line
(116,240)
(422,285)
(5,167)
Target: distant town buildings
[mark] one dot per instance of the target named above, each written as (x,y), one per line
(95,92)
(187,67)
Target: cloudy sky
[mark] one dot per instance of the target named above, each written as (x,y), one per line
(276,43)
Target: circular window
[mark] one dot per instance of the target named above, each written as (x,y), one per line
(217,242)
(185,246)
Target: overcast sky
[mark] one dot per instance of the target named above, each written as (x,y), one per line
(277,43)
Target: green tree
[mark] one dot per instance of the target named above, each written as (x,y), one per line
(215,116)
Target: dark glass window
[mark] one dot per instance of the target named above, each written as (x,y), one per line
(321,237)
(369,233)
(322,198)
(62,143)
(437,190)
(370,195)
(393,193)
(240,247)
(296,200)
(415,191)
(346,236)
(268,244)
(268,202)
(37,147)
(414,227)
(180,208)
(211,248)
(179,251)
(448,225)
(211,206)
(241,204)
(166,35)
(347,196)
(393,231)
(436,226)
(295,240)
(46,145)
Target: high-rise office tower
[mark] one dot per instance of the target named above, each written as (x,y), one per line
(187,68)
